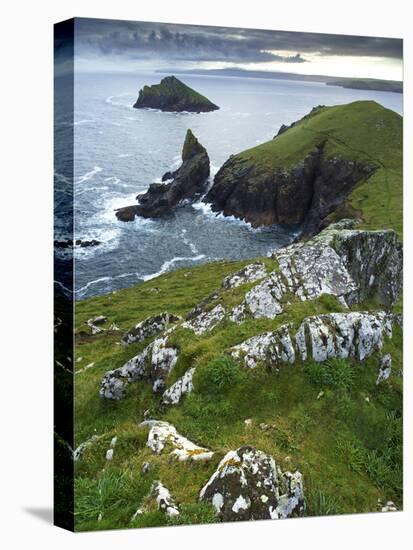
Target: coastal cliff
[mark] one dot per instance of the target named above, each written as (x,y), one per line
(334,161)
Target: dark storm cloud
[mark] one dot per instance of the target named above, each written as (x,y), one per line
(143,40)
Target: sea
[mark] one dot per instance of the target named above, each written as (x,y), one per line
(119,151)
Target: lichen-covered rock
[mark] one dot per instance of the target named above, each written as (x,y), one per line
(182,386)
(153,364)
(151,326)
(164,499)
(352,265)
(113,384)
(248,274)
(206,320)
(80,450)
(163,361)
(163,436)
(95,323)
(249,485)
(384,368)
(202,305)
(264,300)
(320,337)
(389,507)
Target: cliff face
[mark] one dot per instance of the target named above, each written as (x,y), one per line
(310,168)
(186,183)
(172,95)
(304,194)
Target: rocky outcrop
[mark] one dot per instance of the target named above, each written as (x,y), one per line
(95,324)
(164,500)
(186,183)
(353,265)
(320,337)
(248,274)
(174,96)
(184,385)
(164,437)
(249,485)
(305,193)
(206,320)
(151,326)
(153,365)
(384,368)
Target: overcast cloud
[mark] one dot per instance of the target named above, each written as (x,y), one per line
(138,40)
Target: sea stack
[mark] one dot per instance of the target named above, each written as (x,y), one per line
(188,182)
(172,95)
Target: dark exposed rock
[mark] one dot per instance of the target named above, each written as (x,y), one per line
(186,183)
(78,242)
(249,485)
(304,194)
(174,96)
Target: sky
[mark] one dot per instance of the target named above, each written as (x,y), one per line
(137,46)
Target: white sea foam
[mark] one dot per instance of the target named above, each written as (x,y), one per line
(114,100)
(83,121)
(185,240)
(83,289)
(166,266)
(89,175)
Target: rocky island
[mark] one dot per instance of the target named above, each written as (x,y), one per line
(172,95)
(335,161)
(186,183)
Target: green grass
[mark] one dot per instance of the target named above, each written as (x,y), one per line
(338,441)
(330,420)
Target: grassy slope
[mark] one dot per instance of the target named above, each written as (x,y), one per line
(331,440)
(364,131)
(346,443)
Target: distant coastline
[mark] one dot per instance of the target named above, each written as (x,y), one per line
(343,82)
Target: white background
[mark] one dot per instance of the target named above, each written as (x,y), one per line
(26,125)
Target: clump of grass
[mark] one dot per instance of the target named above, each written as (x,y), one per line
(336,374)
(191,514)
(321,504)
(219,375)
(108,499)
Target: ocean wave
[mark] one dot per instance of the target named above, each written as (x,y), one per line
(166,266)
(206,209)
(112,100)
(75,123)
(89,175)
(190,244)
